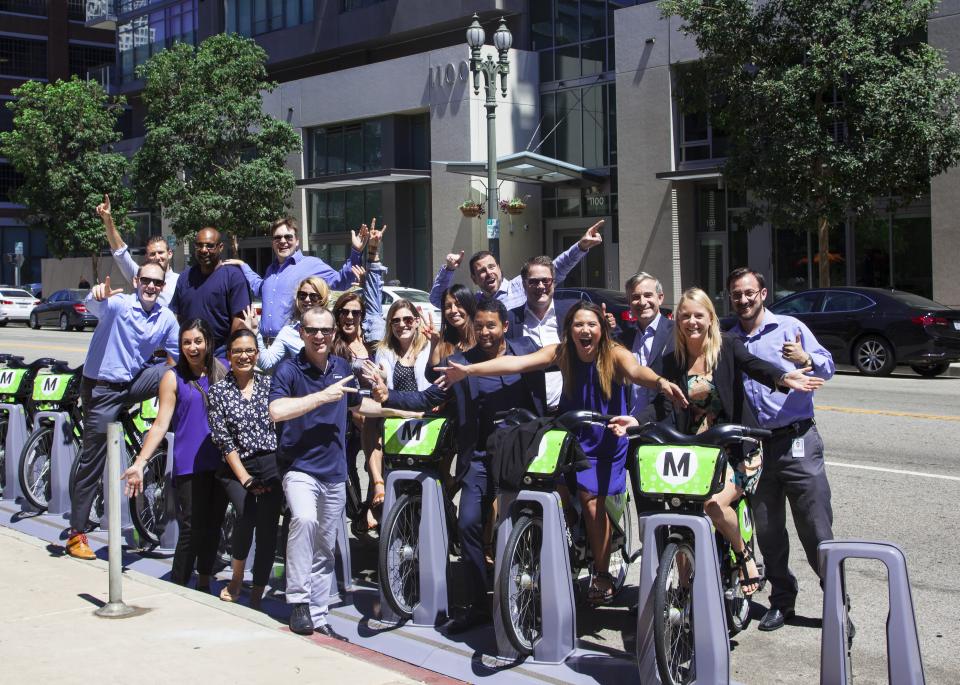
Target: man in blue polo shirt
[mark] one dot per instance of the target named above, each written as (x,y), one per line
(288,268)
(309,402)
(117,374)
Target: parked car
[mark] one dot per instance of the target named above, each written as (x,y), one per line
(615,301)
(35,288)
(17,304)
(65,309)
(876,329)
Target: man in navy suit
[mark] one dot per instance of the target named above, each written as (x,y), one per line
(475,403)
(541,317)
(650,341)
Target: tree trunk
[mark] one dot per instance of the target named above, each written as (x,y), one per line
(823,234)
(95,260)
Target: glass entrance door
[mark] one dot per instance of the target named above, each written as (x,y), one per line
(712,268)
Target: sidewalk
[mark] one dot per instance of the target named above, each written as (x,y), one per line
(49,633)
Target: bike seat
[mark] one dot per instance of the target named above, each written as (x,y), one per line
(60,366)
(722,435)
(514,416)
(11,359)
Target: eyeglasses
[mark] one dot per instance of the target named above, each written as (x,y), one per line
(206,246)
(312,297)
(155,282)
(245,352)
(749,294)
(405,320)
(288,237)
(313,330)
(351,312)
(545,282)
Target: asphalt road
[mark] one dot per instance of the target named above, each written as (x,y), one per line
(891,448)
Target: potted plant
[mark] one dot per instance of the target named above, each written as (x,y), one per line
(515,205)
(471,208)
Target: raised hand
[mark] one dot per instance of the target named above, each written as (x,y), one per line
(672,392)
(234,262)
(793,351)
(103,209)
(619,424)
(358,273)
(452,374)
(592,237)
(334,392)
(134,478)
(429,330)
(359,238)
(611,319)
(251,319)
(453,261)
(796,380)
(376,235)
(102,291)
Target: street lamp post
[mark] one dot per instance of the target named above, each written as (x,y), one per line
(502,40)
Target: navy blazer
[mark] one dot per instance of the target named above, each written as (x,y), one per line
(516,316)
(465,399)
(661,347)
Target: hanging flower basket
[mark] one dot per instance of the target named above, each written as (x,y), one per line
(514,206)
(471,209)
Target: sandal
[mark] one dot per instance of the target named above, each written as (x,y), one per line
(377,500)
(226,596)
(598,596)
(746,580)
(489,554)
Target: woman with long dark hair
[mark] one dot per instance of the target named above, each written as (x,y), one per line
(242,429)
(456,324)
(200,499)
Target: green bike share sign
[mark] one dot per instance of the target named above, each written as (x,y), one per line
(685,470)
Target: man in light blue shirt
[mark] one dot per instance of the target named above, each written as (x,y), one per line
(117,373)
(485,272)
(793,457)
(289,267)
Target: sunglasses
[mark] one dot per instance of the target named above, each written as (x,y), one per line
(288,237)
(545,282)
(206,246)
(351,312)
(245,352)
(155,282)
(313,330)
(312,297)
(405,320)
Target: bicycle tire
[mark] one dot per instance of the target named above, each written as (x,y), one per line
(34,468)
(398,562)
(736,604)
(673,615)
(3,453)
(148,510)
(519,584)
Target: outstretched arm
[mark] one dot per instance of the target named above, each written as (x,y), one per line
(501,366)
(630,369)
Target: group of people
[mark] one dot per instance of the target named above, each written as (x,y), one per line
(265,409)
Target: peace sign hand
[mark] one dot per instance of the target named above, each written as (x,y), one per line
(102,291)
(429,330)
(334,392)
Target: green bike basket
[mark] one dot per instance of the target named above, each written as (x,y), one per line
(687,471)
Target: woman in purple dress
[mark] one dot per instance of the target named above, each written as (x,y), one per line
(200,499)
(596,373)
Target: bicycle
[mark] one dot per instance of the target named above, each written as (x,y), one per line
(518,581)
(683,472)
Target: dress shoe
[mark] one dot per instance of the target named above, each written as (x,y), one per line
(468,621)
(327,631)
(78,548)
(300,621)
(775,618)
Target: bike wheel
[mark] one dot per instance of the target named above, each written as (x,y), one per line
(735,602)
(519,584)
(673,615)
(34,468)
(399,558)
(624,551)
(3,453)
(148,510)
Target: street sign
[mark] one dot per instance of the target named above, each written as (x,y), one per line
(18,249)
(493,229)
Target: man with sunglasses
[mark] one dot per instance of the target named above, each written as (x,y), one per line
(541,318)
(485,272)
(117,373)
(211,290)
(158,252)
(289,267)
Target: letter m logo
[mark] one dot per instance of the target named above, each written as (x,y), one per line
(676,469)
(410,431)
(6,378)
(50,384)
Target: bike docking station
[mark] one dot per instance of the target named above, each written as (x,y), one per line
(63,453)
(171,528)
(557,603)
(17,435)
(711,644)
(904,665)
(412,448)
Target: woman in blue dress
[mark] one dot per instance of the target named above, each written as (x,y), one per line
(596,372)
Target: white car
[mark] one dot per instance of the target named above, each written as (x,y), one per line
(419,298)
(16,304)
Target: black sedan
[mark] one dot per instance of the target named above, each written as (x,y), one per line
(65,309)
(876,329)
(615,301)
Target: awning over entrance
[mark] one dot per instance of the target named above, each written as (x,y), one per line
(529,167)
(364,178)
(701,174)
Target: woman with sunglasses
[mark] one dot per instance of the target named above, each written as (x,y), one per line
(200,499)
(241,428)
(312,291)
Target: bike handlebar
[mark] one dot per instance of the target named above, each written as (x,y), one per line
(11,359)
(723,435)
(570,420)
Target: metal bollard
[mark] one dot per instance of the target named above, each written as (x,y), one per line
(115,608)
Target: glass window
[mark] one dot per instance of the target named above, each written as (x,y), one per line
(253,17)
(845,302)
(541,25)
(567,22)
(84,58)
(569,131)
(359,147)
(546,65)
(353,148)
(568,62)
(592,15)
(872,241)
(336,211)
(791,264)
(548,137)
(592,57)
(798,304)
(35,7)
(837,255)
(711,210)
(21,57)
(373,144)
(10,180)
(594,127)
(335,151)
(913,256)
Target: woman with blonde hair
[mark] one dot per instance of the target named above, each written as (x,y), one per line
(709,366)
(312,291)
(404,352)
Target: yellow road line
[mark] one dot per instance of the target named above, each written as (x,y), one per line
(59,348)
(887,412)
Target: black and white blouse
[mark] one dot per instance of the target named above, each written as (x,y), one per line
(238,424)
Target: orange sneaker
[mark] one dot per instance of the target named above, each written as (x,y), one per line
(78,548)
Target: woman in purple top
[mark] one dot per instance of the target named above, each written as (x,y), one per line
(200,499)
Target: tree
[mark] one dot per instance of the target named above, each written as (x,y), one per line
(830,105)
(60,143)
(210,156)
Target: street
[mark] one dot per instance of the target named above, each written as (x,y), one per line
(895,475)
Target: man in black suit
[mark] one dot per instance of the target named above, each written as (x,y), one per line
(475,403)
(650,340)
(541,317)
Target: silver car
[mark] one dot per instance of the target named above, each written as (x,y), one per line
(16,304)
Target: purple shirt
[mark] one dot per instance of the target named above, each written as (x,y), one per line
(193,450)
(278,283)
(778,409)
